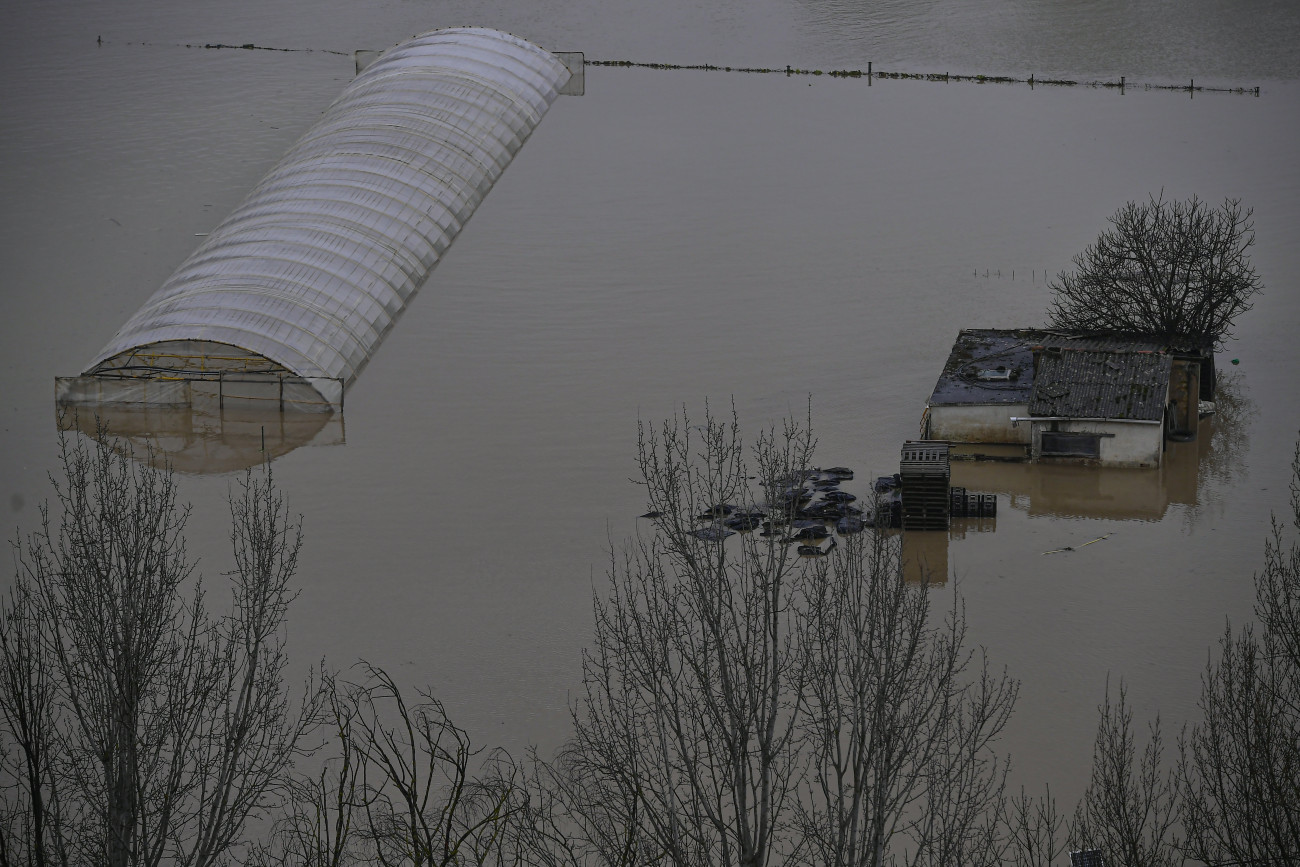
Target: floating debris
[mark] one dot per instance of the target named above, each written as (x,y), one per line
(809,534)
(809,509)
(847,525)
(719,510)
(744,523)
(815,550)
(1075,548)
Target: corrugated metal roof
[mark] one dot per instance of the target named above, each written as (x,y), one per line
(317,264)
(1093,384)
(981,358)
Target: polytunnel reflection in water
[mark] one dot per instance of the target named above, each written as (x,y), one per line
(201,439)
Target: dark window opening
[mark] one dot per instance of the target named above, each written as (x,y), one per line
(1073,445)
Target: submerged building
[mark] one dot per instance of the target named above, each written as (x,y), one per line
(1106,399)
(285,301)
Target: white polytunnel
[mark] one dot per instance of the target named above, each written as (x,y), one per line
(289,297)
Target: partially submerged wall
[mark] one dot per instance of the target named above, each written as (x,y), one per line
(978,423)
(1118,443)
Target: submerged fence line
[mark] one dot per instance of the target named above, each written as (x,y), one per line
(1121,85)
(869,74)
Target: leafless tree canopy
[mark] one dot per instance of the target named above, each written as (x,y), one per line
(1240,768)
(743,705)
(148,730)
(401,785)
(1130,809)
(1164,267)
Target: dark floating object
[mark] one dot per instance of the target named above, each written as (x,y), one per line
(712,534)
(815,550)
(885,484)
(811,534)
(744,522)
(720,510)
(838,497)
(807,523)
(652,514)
(843,474)
(797,477)
(826,484)
(848,525)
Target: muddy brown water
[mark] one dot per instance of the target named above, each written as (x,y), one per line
(666,239)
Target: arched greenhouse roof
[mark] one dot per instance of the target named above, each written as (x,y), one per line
(308,274)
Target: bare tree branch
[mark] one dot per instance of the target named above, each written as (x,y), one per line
(1129,811)
(1240,767)
(743,705)
(1169,268)
(154,729)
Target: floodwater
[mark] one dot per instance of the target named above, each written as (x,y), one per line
(674,237)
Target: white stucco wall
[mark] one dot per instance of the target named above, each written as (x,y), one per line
(979,423)
(1123,443)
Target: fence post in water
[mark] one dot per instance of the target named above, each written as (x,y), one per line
(1031,81)
(1121,85)
(869,76)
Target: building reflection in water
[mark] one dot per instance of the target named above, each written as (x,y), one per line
(200,439)
(1191,475)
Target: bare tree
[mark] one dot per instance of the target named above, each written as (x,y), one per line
(572,813)
(1130,808)
(163,727)
(1034,837)
(1164,267)
(744,705)
(30,824)
(399,787)
(1240,767)
(422,804)
(901,729)
(692,688)
(318,823)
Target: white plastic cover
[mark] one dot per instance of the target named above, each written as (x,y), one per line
(316,265)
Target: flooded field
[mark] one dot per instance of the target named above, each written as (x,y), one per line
(669,238)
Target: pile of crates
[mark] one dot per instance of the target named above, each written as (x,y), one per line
(924,472)
(967,504)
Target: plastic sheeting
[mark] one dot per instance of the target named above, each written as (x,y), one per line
(316,265)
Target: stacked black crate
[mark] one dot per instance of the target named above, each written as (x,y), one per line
(925,472)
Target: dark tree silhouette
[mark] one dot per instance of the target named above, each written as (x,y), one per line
(1240,767)
(148,730)
(1164,267)
(743,705)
